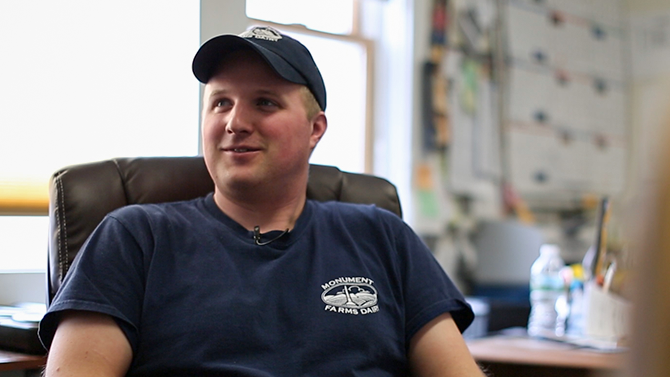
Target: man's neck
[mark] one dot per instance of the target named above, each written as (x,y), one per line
(269,212)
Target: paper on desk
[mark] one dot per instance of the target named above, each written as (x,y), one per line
(25,312)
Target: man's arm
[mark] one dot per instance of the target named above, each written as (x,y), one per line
(438,349)
(88,344)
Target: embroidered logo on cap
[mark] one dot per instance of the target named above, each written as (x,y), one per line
(262,32)
(350,295)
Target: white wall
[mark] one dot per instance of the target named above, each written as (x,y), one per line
(391,24)
(649,104)
(650,86)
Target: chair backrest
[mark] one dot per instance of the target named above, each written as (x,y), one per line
(81,195)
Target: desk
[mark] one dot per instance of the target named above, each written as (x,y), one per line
(501,355)
(523,356)
(20,361)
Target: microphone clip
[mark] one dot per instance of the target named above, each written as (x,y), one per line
(257,236)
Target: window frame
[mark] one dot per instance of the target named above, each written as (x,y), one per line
(369,48)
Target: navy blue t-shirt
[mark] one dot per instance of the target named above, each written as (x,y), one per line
(341,294)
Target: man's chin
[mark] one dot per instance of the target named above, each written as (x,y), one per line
(243,181)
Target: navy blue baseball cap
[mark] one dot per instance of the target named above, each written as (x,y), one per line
(288,57)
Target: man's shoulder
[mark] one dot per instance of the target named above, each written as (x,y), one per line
(349,208)
(354,213)
(155,211)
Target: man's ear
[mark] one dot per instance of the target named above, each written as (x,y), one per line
(319,126)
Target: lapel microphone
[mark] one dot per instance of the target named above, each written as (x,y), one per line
(257,236)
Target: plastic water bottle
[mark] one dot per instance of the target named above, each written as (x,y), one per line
(547,288)
(575,325)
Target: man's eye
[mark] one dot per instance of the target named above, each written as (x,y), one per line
(265,102)
(222,102)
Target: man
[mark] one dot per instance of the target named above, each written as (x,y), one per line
(254,280)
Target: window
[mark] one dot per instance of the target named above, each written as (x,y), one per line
(23,243)
(330,16)
(328,28)
(388,74)
(88,80)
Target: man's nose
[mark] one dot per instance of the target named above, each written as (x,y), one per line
(240,120)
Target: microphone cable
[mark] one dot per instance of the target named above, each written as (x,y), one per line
(257,236)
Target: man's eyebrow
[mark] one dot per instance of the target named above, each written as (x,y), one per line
(259,92)
(217,92)
(268,92)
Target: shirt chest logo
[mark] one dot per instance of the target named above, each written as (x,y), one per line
(350,295)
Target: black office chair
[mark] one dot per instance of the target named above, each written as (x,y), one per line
(81,195)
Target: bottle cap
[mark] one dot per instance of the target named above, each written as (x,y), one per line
(548,248)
